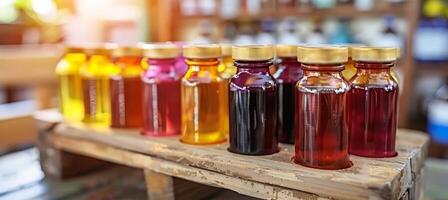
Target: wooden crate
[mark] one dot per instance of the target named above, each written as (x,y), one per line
(267,177)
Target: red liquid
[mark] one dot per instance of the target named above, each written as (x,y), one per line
(321,134)
(126,101)
(373,121)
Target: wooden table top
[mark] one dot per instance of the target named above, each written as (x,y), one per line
(270,176)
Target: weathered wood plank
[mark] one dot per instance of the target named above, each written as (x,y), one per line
(59,164)
(387,178)
(159,186)
(129,158)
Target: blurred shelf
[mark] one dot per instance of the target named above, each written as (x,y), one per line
(28,64)
(340,11)
(432,68)
(344,11)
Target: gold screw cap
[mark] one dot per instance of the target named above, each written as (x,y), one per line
(375,54)
(285,50)
(202,51)
(322,54)
(252,52)
(161,51)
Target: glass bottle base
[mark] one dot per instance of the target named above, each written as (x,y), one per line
(203,138)
(375,155)
(336,166)
(158,134)
(253,153)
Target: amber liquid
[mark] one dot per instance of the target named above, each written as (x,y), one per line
(321,133)
(203,120)
(70,93)
(161,107)
(349,70)
(126,101)
(96,97)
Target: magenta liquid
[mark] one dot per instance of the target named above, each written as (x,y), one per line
(161,98)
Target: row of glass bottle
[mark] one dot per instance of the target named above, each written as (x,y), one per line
(305,99)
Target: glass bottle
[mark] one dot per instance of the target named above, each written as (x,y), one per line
(95,83)
(161,91)
(288,73)
(203,94)
(253,102)
(321,130)
(372,103)
(70,87)
(226,68)
(350,69)
(126,88)
(180,66)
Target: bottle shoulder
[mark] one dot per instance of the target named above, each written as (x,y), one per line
(248,80)
(202,76)
(100,69)
(285,74)
(373,80)
(65,67)
(327,83)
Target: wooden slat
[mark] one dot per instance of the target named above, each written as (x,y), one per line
(17,125)
(387,178)
(159,186)
(207,177)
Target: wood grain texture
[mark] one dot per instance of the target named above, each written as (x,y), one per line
(130,158)
(159,186)
(387,178)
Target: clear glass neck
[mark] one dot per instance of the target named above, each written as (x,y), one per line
(253,66)
(205,62)
(323,67)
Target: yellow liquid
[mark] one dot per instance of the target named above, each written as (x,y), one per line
(226,68)
(349,70)
(70,88)
(96,90)
(97,101)
(204,105)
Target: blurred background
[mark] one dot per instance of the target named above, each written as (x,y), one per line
(32,31)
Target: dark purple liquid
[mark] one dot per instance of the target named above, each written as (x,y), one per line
(373,121)
(288,73)
(253,110)
(285,114)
